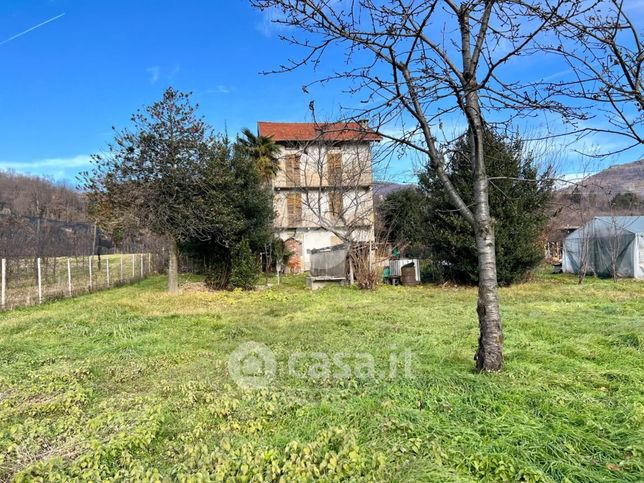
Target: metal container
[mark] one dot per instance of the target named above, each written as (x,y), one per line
(396,265)
(408,274)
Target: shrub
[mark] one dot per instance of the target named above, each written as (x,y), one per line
(245,268)
(217,276)
(431,271)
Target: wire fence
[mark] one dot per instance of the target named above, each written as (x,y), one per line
(29,281)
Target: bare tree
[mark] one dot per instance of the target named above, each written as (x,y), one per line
(604,53)
(615,247)
(418,64)
(616,240)
(583,246)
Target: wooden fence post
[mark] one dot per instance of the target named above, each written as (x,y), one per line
(141,265)
(39,281)
(107,271)
(133,266)
(3,290)
(69,276)
(90,274)
(149,263)
(121,273)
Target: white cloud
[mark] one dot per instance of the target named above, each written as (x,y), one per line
(56,167)
(155,73)
(569,179)
(557,75)
(219,89)
(174,72)
(267,25)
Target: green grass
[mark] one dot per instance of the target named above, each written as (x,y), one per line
(132,384)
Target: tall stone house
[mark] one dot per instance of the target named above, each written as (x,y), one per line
(323,192)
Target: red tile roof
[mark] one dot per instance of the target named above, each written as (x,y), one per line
(308,131)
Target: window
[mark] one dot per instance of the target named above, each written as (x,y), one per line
(335,203)
(334,168)
(293,170)
(294,209)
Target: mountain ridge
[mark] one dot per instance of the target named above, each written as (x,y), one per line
(616,179)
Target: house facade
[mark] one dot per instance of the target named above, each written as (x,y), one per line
(323,192)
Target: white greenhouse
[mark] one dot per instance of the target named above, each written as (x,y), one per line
(607,244)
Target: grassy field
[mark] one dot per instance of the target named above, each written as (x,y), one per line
(133,384)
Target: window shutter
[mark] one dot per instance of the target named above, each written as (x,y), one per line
(334,168)
(335,203)
(293,170)
(294,209)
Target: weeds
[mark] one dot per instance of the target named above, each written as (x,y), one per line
(132,385)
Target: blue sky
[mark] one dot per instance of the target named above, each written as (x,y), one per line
(67,82)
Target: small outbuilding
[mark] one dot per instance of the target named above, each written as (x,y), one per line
(607,244)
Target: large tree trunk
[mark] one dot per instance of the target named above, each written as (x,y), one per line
(489,355)
(173,267)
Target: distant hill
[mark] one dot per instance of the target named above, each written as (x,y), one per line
(34,196)
(618,190)
(621,178)
(383,188)
(617,179)
(39,217)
